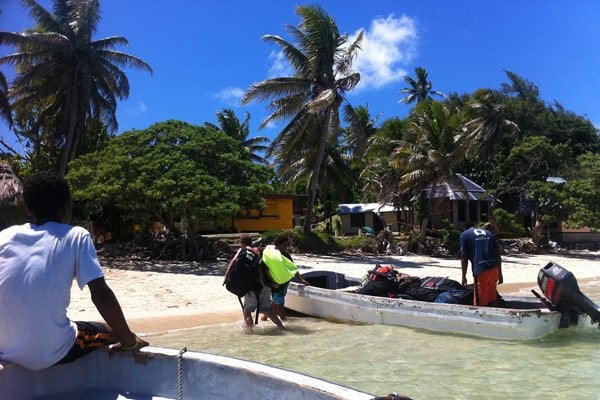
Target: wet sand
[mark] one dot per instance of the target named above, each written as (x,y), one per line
(163,296)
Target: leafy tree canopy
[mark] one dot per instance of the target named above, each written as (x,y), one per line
(170,168)
(583,190)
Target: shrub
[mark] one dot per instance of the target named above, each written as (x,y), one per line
(314,242)
(507,223)
(450,237)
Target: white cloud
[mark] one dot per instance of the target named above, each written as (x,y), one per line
(230,95)
(137,108)
(388,45)
(280,67)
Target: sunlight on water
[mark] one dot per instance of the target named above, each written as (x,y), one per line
(380,359)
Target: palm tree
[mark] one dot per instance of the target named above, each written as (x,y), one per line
(436,143)
(489,123)
(360,129)
(230,124)
(420,89)
(61,66)
(380,182)
(322,61)
(4,105)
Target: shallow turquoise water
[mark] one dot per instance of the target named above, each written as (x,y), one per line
(380,359)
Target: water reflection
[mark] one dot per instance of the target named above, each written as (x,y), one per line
(380,359)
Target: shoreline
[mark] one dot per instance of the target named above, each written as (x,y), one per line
(159,297)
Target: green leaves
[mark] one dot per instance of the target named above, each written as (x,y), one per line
(170,168)
(60,66)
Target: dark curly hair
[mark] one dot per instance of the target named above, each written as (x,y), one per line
(45,193)
(282,238)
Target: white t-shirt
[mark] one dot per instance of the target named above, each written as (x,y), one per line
(37,268)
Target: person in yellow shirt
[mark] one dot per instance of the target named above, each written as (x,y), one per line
(280,269)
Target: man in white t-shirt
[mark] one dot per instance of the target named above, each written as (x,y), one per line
(38,263)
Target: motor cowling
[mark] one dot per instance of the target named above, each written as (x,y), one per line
(561,289)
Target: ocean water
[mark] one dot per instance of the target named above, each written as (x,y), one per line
(381,359)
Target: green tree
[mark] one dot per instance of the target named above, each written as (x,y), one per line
(537,159)
(583,193)
(4,105)
(170,169)
(5,111)
(419,89)
(361,127)
(547,200)
(230,124)
(309,99)
(489,124)
(61,67)
(379,181)
(435,143)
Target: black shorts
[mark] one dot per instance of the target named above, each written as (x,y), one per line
(90,336)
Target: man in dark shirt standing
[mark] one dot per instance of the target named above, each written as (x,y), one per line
(479,246)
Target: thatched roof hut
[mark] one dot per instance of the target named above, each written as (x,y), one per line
(12,207)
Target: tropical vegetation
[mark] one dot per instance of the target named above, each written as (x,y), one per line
(66,79)
(540,161)
(310,99)
(169,172)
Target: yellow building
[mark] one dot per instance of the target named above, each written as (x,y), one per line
(278,214)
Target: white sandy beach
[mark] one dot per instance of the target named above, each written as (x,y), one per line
(155,301)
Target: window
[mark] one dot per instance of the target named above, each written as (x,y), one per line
(462,210)
(473,215)
(357,220)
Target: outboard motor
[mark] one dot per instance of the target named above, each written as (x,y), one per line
(561,289)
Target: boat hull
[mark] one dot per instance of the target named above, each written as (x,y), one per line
(153,374)
(489,322)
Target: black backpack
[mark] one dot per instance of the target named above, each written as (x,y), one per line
(243,276)
(431,286)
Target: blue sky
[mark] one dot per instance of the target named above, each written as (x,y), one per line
(206,53)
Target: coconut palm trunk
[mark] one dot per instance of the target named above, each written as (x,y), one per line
(68,152)
(316,171)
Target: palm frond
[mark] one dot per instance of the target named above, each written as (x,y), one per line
(276,88)
(348,82)
(125,60)
(345,60)
(109,42)
(45,20)
(294,56)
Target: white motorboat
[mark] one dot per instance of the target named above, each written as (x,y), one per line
(158,373)
(331,296)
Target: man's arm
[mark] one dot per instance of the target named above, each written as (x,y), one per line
(301,279)
(499,262)
(464,264)
(107,304)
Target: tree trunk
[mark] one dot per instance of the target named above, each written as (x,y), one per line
(537,233)
(68,152)
(492,219)
(314,180)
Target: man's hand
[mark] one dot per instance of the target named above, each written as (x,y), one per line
(139,343)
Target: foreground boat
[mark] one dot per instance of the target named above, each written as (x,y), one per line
(157,373)
(331,297)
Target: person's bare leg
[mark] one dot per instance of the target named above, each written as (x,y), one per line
(263,317)
(280,311)
(248,320)
(273,317)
